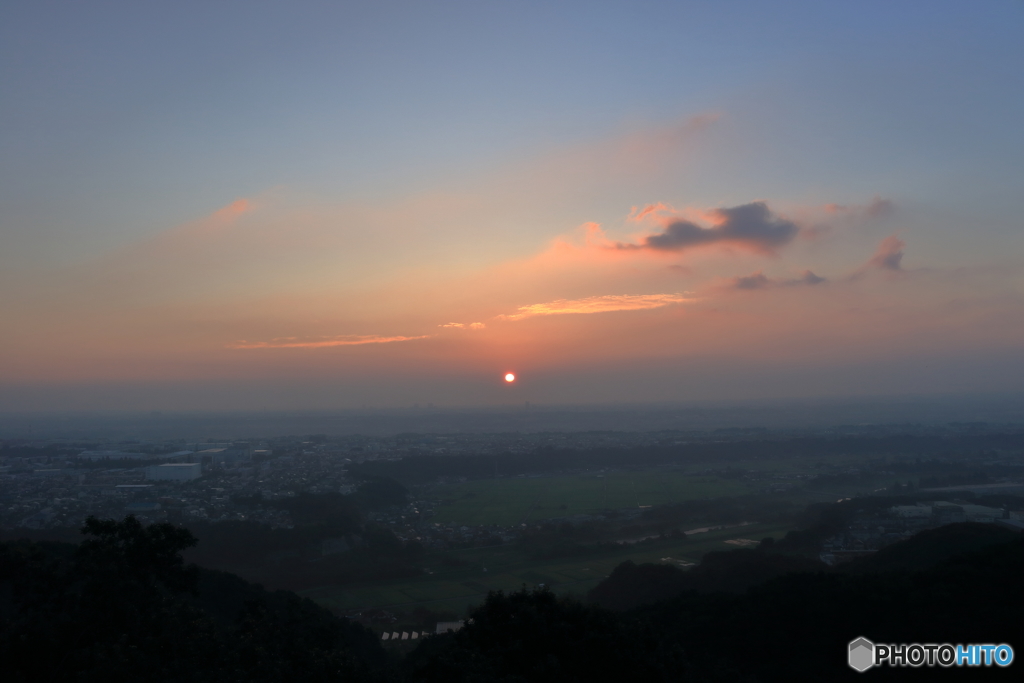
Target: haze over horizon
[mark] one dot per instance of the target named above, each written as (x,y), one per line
(322,206)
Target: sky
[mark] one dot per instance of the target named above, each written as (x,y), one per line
(330,205)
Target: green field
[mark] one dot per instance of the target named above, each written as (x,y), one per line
(524,499)
(458,589)
(516,500)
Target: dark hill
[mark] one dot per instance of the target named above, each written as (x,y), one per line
(733,571)
(797,627)
(123,606)
(931,547)
(792,628)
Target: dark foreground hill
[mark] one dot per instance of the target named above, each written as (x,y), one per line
(797,627)
(792,628)
(735,571)
(631,585)
(123,606)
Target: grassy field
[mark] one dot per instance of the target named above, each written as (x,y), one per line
(504,568)
(523,499)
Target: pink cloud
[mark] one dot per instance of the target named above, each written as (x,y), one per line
(651,210)
(889,255)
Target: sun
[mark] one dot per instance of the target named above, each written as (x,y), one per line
(509,377)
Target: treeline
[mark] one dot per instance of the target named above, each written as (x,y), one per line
(427,467)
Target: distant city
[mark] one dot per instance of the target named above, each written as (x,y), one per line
(54,483)
(58,483)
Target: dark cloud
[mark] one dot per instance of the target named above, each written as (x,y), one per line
(751,225)
(808,278)
(759,280)
(755,281)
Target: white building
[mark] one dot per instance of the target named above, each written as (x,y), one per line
(445,626)
(178,471)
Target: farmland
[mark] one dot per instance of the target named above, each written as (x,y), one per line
(505,568)
(555,523)
(457,578)
(525,499)
(529,499)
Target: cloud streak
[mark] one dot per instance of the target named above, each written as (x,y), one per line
(464,326)
(347,340)
(597,304)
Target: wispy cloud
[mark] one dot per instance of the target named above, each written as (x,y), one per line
(888,258)
(638,215)
(598,304)
(878,208)
(889,255)
(347,340)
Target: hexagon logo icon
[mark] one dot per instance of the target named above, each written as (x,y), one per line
(862,654)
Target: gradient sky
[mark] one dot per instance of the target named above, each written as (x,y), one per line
(238,205)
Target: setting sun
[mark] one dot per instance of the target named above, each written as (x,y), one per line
(510,377)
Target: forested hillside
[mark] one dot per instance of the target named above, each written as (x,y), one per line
(124,606)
